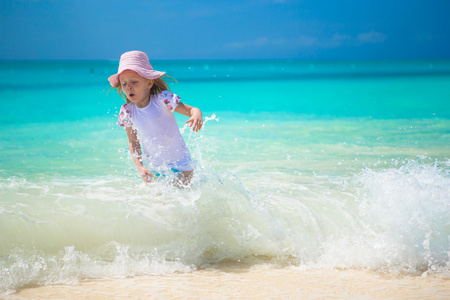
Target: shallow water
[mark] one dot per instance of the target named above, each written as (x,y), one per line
(325,165)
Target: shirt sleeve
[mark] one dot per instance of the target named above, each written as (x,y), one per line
(125,117)
(169,100)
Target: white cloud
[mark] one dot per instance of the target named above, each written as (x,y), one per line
(302,41)
(336,40)
(256,43)
(371,37)
(305,41)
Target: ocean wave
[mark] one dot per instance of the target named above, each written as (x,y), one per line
(64,230)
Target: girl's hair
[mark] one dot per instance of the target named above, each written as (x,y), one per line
(159,85)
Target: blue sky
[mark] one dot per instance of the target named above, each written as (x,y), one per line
(219,29)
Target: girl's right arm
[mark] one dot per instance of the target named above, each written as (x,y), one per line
(136,154)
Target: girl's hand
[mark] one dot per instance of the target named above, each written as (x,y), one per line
(196,120)
(145,174)
(195,115)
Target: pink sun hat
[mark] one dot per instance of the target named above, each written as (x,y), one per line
(136,61)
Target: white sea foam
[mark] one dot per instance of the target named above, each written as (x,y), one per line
(394,219)
(405,224)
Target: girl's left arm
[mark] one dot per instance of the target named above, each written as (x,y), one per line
(195,115)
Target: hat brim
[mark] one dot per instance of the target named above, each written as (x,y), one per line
(149,74)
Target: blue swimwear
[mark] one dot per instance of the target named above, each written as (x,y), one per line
(162,173)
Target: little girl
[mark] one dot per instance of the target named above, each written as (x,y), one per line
(148,117)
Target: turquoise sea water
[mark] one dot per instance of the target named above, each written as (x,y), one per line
(317,165)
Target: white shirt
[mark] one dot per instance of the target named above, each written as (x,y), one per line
(158,132)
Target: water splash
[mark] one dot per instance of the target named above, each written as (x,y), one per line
(64,230)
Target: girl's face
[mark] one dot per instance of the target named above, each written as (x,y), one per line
(136,87)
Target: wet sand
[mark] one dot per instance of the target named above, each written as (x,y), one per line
(255,282)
